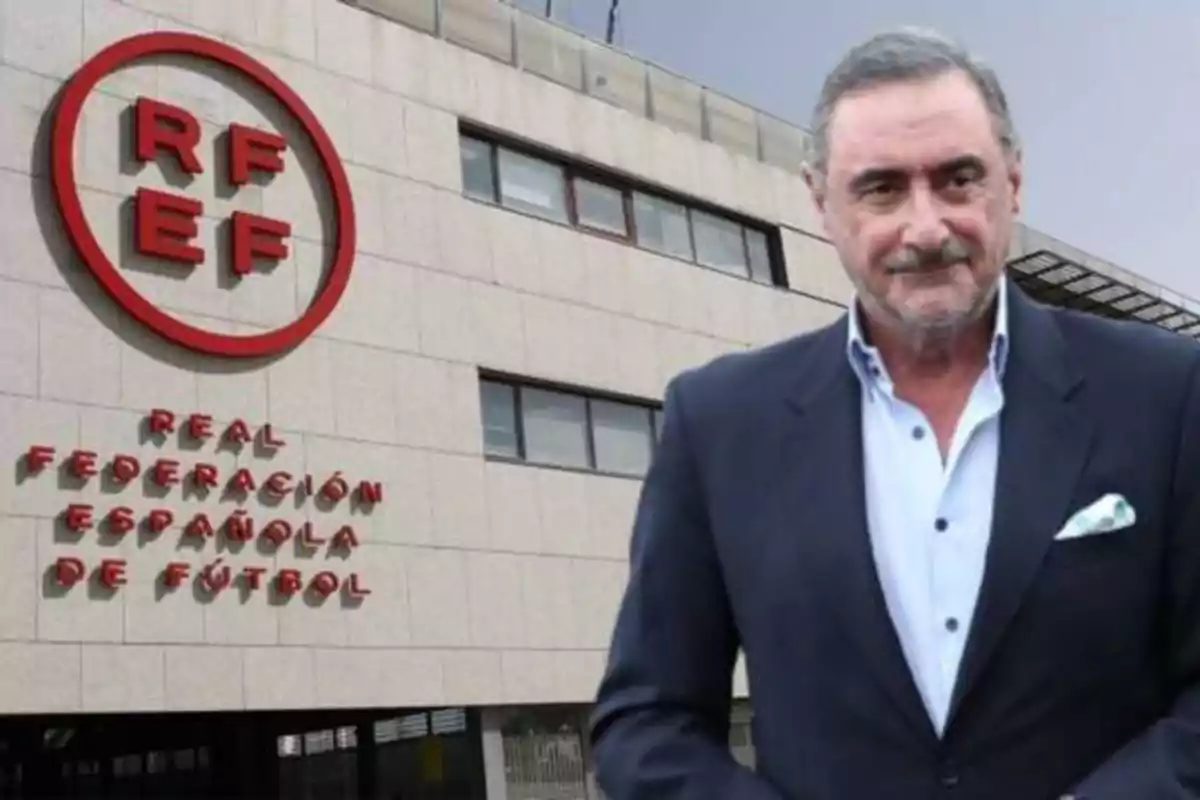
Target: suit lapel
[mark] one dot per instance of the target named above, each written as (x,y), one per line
(1045,439)
(825,494)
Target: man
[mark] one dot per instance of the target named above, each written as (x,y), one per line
(872,512)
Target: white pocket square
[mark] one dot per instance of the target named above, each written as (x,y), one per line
(1112,512)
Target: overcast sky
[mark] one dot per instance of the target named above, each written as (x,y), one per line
(1105,94)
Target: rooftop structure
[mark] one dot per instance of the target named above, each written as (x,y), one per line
(1050,270)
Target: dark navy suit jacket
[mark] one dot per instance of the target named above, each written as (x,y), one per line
(1082,668)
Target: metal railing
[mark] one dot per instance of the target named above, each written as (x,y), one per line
(542,47)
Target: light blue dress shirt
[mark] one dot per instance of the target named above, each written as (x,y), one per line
(930,521)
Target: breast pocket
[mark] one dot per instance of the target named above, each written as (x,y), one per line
(1092,604)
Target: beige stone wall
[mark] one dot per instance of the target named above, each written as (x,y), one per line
(491,583)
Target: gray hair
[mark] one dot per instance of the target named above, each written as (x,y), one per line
(902,55)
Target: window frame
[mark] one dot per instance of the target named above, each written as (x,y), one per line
(626,207)
(628,188)
(517,384)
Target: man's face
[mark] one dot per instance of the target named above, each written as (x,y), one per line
(919,200)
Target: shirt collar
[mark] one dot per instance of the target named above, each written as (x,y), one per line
(868,364)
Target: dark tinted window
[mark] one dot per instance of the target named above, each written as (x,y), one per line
(662,226)
(479,175)
(500,437)
(532,185)
(600,207)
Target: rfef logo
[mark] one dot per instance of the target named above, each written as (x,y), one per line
(165,223)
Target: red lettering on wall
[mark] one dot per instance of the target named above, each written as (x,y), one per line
(277,532)
(120,521)
(238,432)
(324,583)
(344,539)
(82,463)
(79,517)
(369,492)
(125,469)
(38,457)
(253,576)
(354,587)
(112,572)
(161,421)
(253,150)
(68,571)
(165,472)
(287,582)
(174,574)
(278,484)
(159,520)
(254,237)
(159,126)
(307,539)
(204,475)
(242,481)
(200,426)
(268,437)
(239,527)
(199,526)
(165,225)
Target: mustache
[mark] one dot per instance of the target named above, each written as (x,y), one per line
(912,259)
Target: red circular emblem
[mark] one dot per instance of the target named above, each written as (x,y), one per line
(66,193)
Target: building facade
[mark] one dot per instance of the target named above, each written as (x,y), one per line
(332,342)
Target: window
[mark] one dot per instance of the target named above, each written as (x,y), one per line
(759,250)
(623,438)
(600,207)
(555,426)
(532,185)
(567,428)
(499,420)
(479,170)
(720,243)
(581,197)
(662,226)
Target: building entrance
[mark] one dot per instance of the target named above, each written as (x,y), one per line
(310,755)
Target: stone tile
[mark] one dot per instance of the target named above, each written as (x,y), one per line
(18,338)
(80,357)
(24,204)
(122,678)
(286,26)
(18,578)
(24,423)
(46,38)
(472,677)
(497,613)
(87,611)
(546,592)
(459,497)
(383,618)
(41,678)
(27,98)
(438,598)
(342,31)
(204,678)
(362,379)
(512,502)
(279,677)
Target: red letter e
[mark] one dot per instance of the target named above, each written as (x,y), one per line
(165,225)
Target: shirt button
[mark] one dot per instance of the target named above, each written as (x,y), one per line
(941,524)
(951,624)
(918,433)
